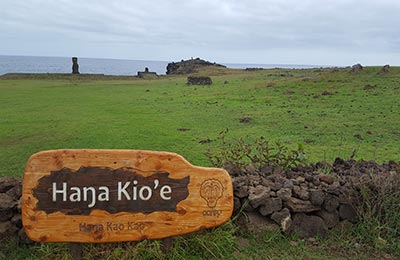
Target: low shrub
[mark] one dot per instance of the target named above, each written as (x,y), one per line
(258,153)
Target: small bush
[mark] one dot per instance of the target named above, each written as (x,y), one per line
(258,153)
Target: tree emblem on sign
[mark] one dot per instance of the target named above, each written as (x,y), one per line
(211,191)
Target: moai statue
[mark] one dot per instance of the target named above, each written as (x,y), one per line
(75,66)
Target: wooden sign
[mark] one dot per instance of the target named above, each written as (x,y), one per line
(120,195)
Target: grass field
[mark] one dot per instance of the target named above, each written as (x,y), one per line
(332,113)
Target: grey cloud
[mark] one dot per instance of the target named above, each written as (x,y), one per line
(213,28)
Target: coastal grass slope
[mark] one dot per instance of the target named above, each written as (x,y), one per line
(332,113)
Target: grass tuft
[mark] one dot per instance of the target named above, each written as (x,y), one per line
(379,212)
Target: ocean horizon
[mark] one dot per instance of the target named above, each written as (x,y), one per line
(122,67)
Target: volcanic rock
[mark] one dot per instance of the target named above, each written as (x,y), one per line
(284,193)
(331,219)
(7,183)
(198,81)
(301,193)
(331,203)
(307,226)
(189,66)
(347,212)
(356,68)
(6,201)
(280,216)
(317,197)
(270,205)
(385,69)
(327,179)
(258,195)
(241,191)
(297,205)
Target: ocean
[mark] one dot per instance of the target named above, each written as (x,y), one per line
(34,64)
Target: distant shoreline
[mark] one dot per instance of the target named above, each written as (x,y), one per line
(112,67)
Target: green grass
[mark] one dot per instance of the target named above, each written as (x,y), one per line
(223,242)
(61,111)
(125,113)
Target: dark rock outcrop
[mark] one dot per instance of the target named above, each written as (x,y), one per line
(189,66)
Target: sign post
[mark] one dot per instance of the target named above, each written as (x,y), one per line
(97,196)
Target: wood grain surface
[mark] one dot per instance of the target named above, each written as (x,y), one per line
(99,196)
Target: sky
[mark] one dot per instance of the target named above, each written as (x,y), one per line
(310,32)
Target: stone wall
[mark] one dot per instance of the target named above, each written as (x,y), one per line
(198,81)
(306,200)
(10,207)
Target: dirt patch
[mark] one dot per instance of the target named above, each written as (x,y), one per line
(327,93)
(369,87)
(245,120)
(205,141)
(183,129)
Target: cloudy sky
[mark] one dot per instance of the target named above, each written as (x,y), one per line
(324,32)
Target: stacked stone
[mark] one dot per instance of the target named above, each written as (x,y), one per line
(199,81)
(306,200)
(10,207)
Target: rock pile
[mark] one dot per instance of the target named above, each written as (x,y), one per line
(188,66)
(306,200)
(356,68)
(198,81)
(10,207)
(385,69)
